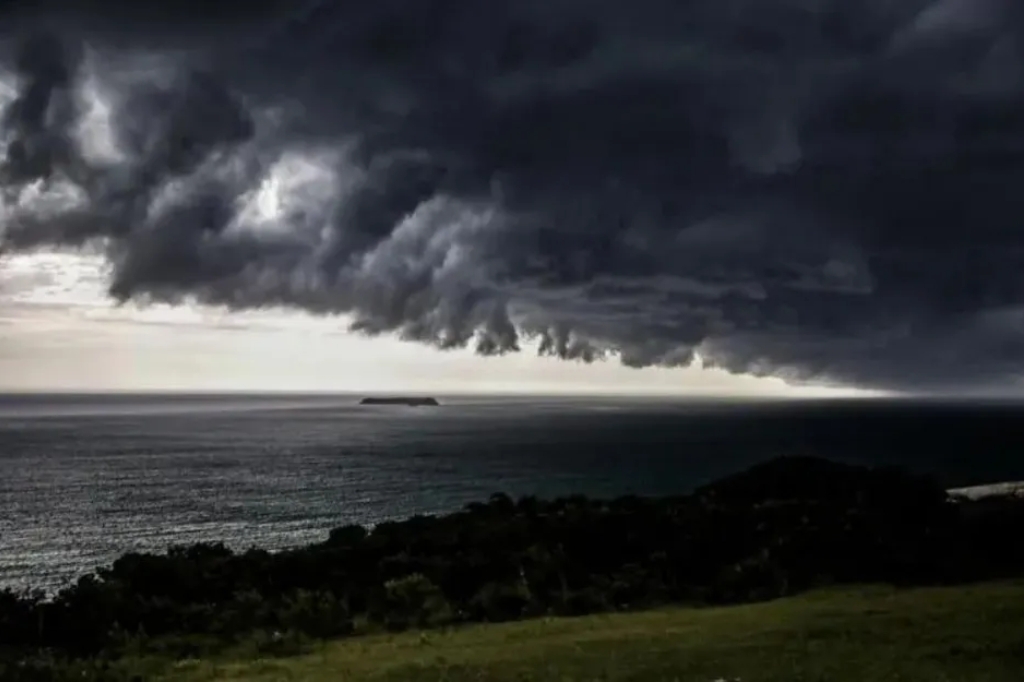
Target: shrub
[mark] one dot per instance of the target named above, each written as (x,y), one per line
(316,614)
(414,601)
(500,602)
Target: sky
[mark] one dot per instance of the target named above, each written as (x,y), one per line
(59,331)
(718,196)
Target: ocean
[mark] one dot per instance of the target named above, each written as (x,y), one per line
(84,479)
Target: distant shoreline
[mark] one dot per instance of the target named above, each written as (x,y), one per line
(1001,489)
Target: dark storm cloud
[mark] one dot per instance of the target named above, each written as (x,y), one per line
(812,189)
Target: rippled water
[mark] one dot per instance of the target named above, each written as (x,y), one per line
(84,479)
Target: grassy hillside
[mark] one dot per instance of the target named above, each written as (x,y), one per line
(963,634)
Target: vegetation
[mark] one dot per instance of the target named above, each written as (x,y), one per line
(782,528)
(964,634)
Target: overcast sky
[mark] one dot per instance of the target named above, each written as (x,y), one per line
(60,332)
(823,192)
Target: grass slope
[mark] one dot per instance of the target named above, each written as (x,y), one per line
(967,634)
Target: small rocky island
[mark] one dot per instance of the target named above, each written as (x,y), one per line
(401,400)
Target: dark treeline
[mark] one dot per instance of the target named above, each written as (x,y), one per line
(779,528)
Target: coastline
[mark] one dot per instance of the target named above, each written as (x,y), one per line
(778,529)
(51,582)
(977,492)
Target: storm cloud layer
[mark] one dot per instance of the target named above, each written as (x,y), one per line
(821,190)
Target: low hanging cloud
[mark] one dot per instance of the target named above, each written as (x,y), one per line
(820,190)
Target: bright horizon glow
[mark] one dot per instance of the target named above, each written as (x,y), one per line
(60,333)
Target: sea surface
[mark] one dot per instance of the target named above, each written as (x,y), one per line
(84,479)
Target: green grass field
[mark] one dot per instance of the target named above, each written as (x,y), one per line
(971,634)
